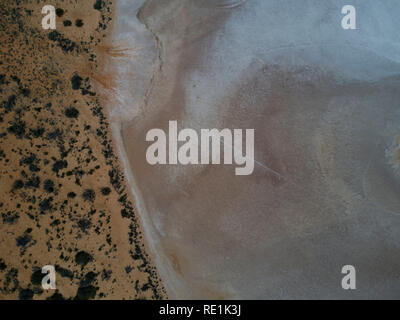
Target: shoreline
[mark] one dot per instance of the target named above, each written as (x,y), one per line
(117,122)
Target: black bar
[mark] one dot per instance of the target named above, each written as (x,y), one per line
(173,309)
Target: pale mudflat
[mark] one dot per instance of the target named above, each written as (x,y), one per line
(324,103)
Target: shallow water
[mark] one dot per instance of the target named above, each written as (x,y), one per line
(324,103)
